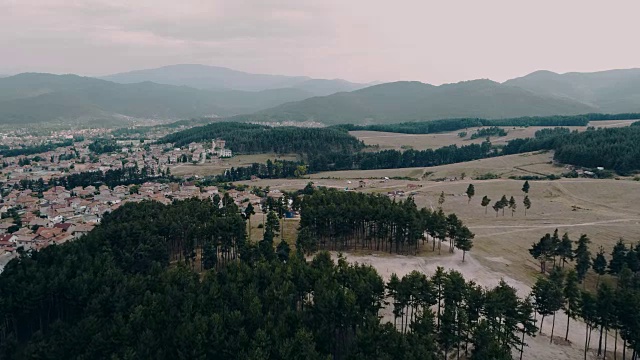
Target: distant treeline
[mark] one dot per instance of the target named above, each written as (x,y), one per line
(277,169)
(245,138)
(101,146)
(30,150)
(445,125)
(110,178)
(490,131)
(142,130)
(614,148)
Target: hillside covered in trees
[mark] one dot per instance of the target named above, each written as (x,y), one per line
(249,138)
(414,101)
(614,149)
(131,290)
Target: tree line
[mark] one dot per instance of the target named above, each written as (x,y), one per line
(133,289)
(612,148)
(447,125)
(613,305)
(36,149)
(342,220)
(111,178)
(245,138)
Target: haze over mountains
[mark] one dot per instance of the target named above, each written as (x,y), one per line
(220,78)
(185,91)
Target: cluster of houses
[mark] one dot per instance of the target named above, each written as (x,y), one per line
(59,215)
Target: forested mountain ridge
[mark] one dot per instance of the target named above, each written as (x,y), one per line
(249,138)
(35,98)
(214,77)
(609,91)
(413,101)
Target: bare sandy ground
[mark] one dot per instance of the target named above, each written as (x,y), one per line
(539,348)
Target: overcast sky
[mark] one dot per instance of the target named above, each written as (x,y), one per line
(436,41)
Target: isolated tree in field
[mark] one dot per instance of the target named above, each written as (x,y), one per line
(618,257)
(464,240)
(525,187)
(542,251)
(571,298)
(504,202)
(582,257)
(441,199)
(599,265)
(556,278)
(564,249)
(471,191)
(512,205)
(485,202)
(527,204)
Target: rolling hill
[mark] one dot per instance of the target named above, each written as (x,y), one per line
(609,91)
(36,98)
(409,101)
(212,77)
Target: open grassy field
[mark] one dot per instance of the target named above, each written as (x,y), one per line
(386,140)
(504,166)
(221,165)
(606,210)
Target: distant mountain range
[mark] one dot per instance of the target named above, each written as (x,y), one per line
(412,101)
(185,91)
(212,77)
(36,98)
(608,91)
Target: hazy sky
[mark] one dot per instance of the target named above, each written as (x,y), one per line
(360,40)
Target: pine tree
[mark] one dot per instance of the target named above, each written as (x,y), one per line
(618,257)
(441,200)
(526,187)
(541,251)
(496,207)
(464,240)
(485,202)
(556,278)
(599,265)
(527,204)
(504,202)
(582,257)
(555,245)
(605,305)
(283,251)
(527,320)
(471,191)
(248,212)
(512,205)
(588,313)
(565,250)
(571,298)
